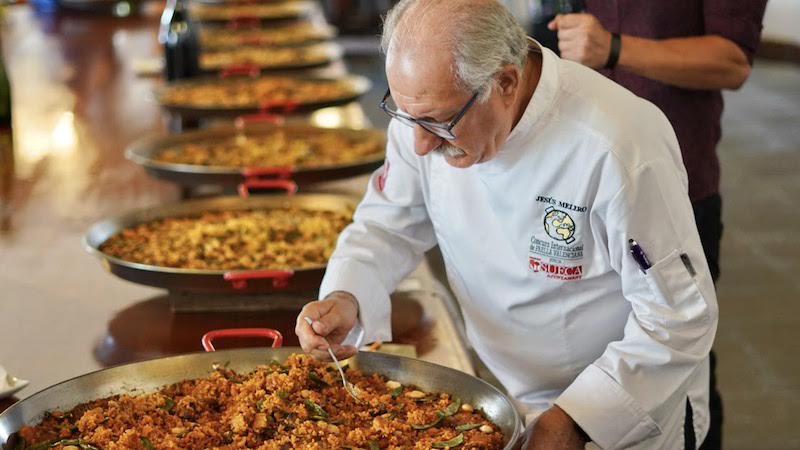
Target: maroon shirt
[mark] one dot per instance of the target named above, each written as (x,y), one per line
(695,114)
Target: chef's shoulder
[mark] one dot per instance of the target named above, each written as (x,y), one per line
(400,144)
(633,128)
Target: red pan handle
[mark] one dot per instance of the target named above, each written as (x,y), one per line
(280,278)
(255,183)
(254,40)
(286,107)
(275,335)
(250,69)
(238,23)
(242,121)
(281,173)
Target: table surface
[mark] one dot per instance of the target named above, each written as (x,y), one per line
(77,104)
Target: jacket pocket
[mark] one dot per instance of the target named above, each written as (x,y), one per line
(677,301)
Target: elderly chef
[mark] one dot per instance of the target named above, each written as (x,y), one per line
(559,201)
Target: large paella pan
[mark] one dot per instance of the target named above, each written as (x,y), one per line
(145,377)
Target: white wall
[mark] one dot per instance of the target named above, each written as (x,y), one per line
(782,21)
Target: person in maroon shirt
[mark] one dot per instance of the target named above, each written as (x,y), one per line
(678,54)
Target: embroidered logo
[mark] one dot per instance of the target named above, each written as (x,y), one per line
(556,271)
(383,176)
(556,250)
(559,225)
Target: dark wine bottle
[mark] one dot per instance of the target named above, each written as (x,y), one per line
(178,34)
(6,147)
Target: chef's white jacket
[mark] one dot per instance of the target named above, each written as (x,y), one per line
(535,243)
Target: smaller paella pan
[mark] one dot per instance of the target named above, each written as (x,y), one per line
(293,33)
(228,156)
(271,58)
(262,244)
(245,95)
(220,13)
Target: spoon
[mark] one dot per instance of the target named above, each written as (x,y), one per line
(347,386)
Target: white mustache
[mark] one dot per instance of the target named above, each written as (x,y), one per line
(445,149)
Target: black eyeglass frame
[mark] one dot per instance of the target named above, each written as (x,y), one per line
(442,130)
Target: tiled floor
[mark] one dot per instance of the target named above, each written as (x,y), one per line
(758,341)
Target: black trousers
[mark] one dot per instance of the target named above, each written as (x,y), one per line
(708,217)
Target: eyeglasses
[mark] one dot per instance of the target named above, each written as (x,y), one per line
(442,130)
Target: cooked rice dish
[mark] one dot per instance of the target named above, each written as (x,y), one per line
(298,405)
(265,11)
(277,148)
(266,57)
(293,34)
(251,93)
(275,238)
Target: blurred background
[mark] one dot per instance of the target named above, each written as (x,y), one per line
(85,81)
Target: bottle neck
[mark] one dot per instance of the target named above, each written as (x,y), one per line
(175,12)
(5,96)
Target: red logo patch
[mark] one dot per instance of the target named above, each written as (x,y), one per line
(556,271)
(383,176)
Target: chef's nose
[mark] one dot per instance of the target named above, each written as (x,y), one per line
(425,141)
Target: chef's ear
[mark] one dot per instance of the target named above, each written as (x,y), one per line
(508,79)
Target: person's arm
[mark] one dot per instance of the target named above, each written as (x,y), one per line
(698,62)
(554,430)
(695,62)
(630,393)
(389,235)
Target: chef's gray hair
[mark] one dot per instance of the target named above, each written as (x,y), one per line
(484,38)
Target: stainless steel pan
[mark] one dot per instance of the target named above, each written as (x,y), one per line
(324,54)
(211,281)
(267,12)
(151,375)
(359,85)
(234,2)
(260,37)
(145,151)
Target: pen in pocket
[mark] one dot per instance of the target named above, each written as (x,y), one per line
(688,264)
(639,255)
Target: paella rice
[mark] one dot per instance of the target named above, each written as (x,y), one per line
(300,405)
(275,238)
(292,34)
(231,12)
(276,148)
(251,93)
(266,57)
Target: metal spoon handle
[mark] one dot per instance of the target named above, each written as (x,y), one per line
(346,385)
(338,366)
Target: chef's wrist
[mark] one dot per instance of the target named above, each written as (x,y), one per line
(581,434)
(345,296)
(584,437)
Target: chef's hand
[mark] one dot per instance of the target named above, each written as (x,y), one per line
(332,319)
(582,38)
(555,430)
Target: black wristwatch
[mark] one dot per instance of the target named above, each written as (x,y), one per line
(613,54)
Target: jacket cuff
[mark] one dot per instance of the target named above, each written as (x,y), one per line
(374,306)
(605,411)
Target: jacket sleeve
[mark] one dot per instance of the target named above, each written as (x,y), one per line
(389,235)
(628,394)
(740,22)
